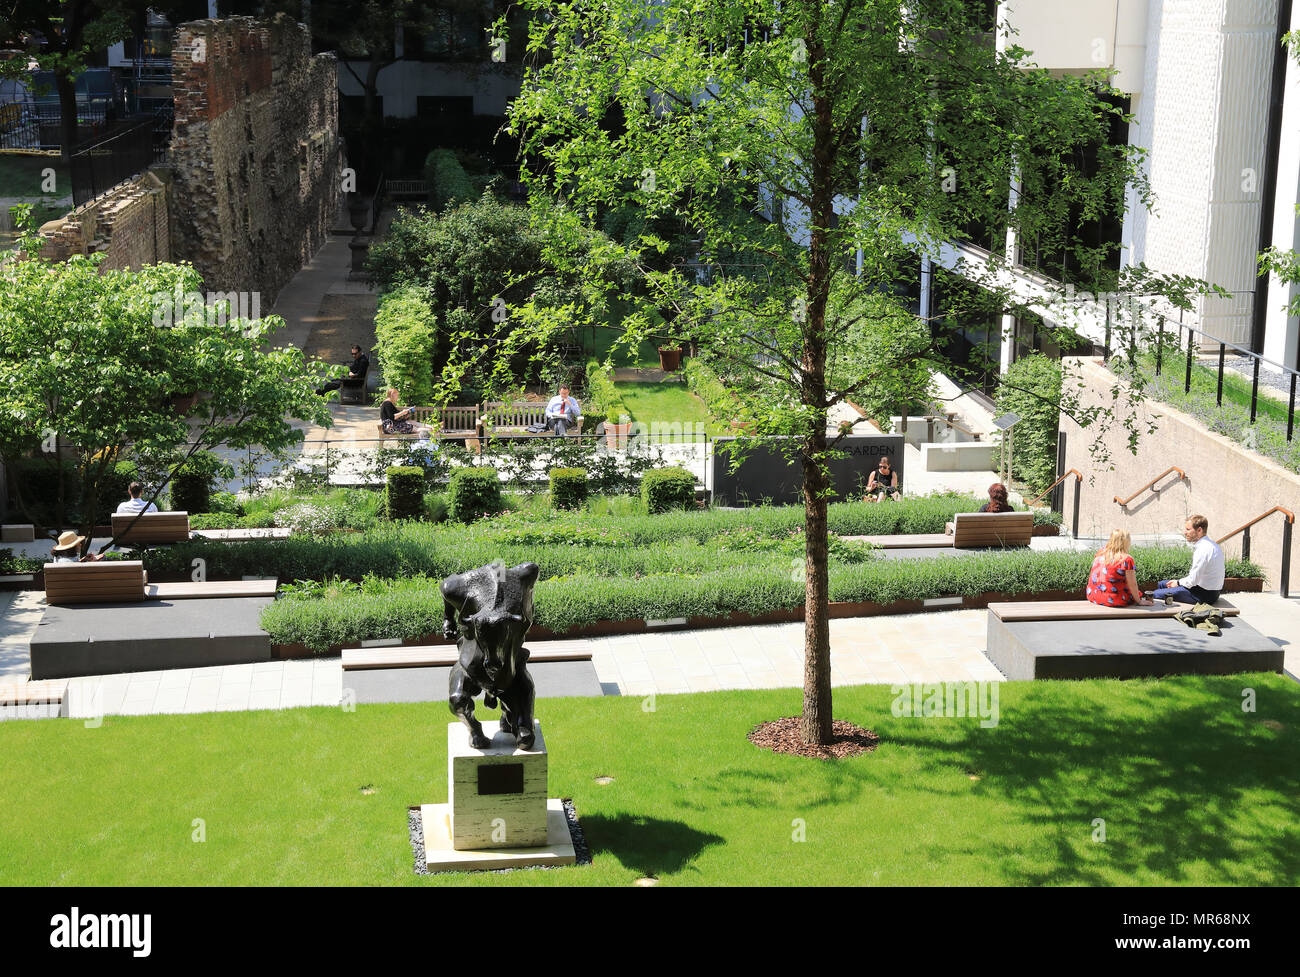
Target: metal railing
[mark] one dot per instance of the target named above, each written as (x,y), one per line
(1191,346)
(1182,476)
(1078,487)
(1244,530)
(102,165)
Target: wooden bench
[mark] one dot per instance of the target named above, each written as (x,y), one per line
(515,419)
(353,391)
(974,530)
(981,529)
(425,656)
(152,527)
(95,583)
(1086,610)
(450,422)
(239,535)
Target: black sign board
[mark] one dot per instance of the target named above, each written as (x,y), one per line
(772,472)
(500,778)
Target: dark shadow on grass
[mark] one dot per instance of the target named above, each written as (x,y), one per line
(650,846)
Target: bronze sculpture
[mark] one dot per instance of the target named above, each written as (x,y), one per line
(488,611)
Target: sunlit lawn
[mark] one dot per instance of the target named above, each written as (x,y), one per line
(1191,790)
(669,403)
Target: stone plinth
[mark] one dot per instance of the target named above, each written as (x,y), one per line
(498,794)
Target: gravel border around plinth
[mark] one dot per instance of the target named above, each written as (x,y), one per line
(580,850)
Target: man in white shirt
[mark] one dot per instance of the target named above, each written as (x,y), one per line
(135,504)
(1204,581)
(562,412)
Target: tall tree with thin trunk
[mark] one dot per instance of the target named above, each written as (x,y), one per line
(816,149)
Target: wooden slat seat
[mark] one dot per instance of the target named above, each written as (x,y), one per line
(449,422)
(185,590)
(1086,610)
(515,419)
(112,582)
(979,529)
(152,527)
(424,656)
(33,693)
(239,535)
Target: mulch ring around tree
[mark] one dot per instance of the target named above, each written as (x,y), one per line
(783,736)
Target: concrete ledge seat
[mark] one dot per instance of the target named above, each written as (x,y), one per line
(1112,645)
(184,590)
(152,527)
(969,456)
(101,639)
(553,679)
(421,656)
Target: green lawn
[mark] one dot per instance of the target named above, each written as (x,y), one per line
(1192,790)
(669,403)
(22,176)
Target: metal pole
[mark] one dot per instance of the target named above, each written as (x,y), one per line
(1284,583)
(1058,493)
(1107,344)
(1219,398)
(1078,487)
(1254,392)
(1160,344)
(1187,379)
(1245,543)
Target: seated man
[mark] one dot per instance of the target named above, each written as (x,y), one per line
(135,504)
(356,372)
(562,412)
(1204,581)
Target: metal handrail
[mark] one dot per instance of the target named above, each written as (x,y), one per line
(1077,478)
(1290,517)
(1284,575)
(1182,475)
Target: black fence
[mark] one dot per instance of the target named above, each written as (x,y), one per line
(103,164)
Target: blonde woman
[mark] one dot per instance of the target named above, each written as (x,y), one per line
(395,421)
(1113,580)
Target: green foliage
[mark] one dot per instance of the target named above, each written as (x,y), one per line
(666,489)
(404,494)
(884,355)
(406,342)
(410,608)
(603,402)
(11,565)
(473,493)
(721,401)
(435,507)
(447,180)
(1032,389)
(569,488)
(191,487)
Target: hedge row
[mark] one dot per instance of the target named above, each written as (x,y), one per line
(412,608)
(604,403)
(406,340)
(721,402)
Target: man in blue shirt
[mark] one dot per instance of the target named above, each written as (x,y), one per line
(562,412)
(135,504)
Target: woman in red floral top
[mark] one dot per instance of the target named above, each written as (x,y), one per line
(1113,582)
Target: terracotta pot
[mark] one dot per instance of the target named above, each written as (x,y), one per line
(670,360)
(616,435)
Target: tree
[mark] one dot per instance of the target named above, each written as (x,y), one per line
(90,361)
(809,145)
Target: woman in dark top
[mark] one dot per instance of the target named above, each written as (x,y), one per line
(883,483)
(395,421)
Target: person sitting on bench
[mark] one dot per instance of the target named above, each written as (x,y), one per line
(395,421)
(562,412)
(135,504)
(997,503)
(1112,581)
(882,483)
(67,549)
(356,373)
(1204,581)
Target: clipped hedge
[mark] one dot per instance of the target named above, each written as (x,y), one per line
(446,179)
(409,609)
(568,488)
(404,493)
(473,493)
(406,341)
(604,403)
(720,400)
(668,489)
(1033,442)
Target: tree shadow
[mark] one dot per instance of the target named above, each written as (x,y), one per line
(651,846)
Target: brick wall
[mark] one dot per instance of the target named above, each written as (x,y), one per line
(129,225)
(254,150)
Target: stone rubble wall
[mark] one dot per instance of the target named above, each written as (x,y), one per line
(130,225)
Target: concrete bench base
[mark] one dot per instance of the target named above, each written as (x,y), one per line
(102,639)
(553,679)
(1126,648)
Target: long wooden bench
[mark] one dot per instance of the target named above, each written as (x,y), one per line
(973,530)
(1086,610)
(424,656)
(240,535)
(515,419)
(185,590)
(95,583)
(449,422)
(152,527)
(43,692)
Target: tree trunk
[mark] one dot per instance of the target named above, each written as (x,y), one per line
(67,90)
(816,724)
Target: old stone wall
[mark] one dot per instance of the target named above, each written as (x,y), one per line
(130,225)
(1226,483)
(254,149)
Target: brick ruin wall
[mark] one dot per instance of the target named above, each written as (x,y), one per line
(129,225)
(254,151)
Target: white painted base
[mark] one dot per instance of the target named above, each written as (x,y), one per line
(441,857)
